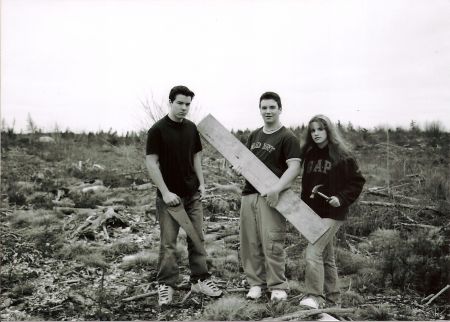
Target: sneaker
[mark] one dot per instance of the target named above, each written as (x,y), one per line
(207,287)
(309,301)
(326,317)
(278,295)
(254,293)
(165,293)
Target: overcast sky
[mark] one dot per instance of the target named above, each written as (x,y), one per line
(87,65)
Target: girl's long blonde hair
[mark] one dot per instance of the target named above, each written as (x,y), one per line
(338,148)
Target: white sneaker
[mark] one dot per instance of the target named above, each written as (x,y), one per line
(165,294)
(254,293)
(309,301)
(326,317)
(278,295)
(207,287)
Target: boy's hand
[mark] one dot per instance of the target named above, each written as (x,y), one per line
(171,199)
(272,197)
(202,191)
(334,201)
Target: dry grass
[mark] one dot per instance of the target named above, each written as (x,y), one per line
(233,308)
(141,260)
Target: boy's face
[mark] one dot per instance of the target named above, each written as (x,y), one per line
(270,111)
(179,107)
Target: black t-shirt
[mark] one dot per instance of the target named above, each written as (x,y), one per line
(175,144)
(273,150)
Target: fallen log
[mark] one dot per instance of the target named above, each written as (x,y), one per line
(71,210)
(67,203)
(377,189)
(94,188)
(306,313)
(387,195)
(437,295)
(419,225)
(145,186)
(393,204)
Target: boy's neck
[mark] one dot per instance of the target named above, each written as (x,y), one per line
(273,127)
(174,118)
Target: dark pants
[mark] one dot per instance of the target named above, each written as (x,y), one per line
(168,271)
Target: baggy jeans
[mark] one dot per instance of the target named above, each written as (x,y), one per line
(321,276)
(168,271)
(262,235)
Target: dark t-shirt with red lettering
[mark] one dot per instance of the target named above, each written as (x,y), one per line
(175,144)
(273,150)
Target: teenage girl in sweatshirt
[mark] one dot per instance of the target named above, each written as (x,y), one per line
(328,164)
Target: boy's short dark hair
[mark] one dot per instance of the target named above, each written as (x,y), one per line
(183,90)
(270,96)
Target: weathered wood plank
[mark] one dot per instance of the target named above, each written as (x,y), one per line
(307,222)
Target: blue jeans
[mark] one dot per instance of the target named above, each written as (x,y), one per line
(168,271)
(321,277)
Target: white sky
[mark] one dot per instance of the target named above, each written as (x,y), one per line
(86,65)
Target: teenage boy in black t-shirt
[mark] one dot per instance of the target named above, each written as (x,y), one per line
(262,227)
(173,159)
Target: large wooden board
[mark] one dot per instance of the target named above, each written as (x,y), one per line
(298,213)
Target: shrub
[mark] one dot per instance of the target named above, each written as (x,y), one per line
(16,193)
(48,238)
(437,184)
(368,279)
(226,266)
(418,260)
(380,312)
(22,289)
(351,299)
(41,200)
(22,219)
(121,248)
(363,220)
(142,260)
(275,308)
(349,263)
(233,308)
(95,260)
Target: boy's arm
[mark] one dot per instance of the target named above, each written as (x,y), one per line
(199,172)
(283,183)
(151,161)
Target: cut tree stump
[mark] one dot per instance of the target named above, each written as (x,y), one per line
(96,223)
(298,213)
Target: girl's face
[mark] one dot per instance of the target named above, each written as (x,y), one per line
(319,134)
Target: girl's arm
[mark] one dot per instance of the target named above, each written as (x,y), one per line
(354,182)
